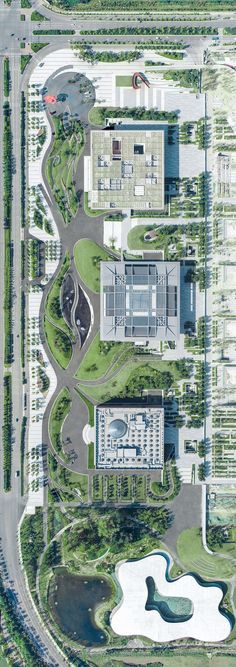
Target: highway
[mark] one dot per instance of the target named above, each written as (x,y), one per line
(13,32)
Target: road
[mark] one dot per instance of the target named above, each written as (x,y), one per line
(13,32)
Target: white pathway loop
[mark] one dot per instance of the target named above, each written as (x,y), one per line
(130,617)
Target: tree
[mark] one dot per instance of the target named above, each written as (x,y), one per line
(201,472)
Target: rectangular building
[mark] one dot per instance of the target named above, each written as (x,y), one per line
(126,169)
(140,301)
(129,436)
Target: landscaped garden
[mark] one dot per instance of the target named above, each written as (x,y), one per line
(59,343)
(100,357)
(168,238)
(193,557)
(53,306)
(88,255)
(62,164)
(58,333)
(58,414)
(138,374)
(66,480)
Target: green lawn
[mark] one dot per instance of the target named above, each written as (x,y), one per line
(193,557)
(24,60)
(140,488)
(58,413)
(88,255)
(59,344)
(93,213)
(97,361)
(112,388)
(91,456)
(97,487)
(95,116)
(123,80)
(90,407)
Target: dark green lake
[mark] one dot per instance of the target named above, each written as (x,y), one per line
(73,600)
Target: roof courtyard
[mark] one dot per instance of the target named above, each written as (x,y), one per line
(140,301)
(129,436)
(127,169)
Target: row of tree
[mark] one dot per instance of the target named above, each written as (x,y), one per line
(7,430)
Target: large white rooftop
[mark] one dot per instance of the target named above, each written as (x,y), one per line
(130,617)
(129,436)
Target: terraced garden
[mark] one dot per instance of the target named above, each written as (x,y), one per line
(194,558)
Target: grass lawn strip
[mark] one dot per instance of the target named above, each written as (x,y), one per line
(97,362)
(123,80)
(92,212)
(88,255)
(59,344)
(90,407)
(59,411)
(91,464)
(194,558)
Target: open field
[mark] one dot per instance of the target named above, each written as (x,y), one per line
(88,256)
(193,557)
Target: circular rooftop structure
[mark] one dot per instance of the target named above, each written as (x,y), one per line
(117,428)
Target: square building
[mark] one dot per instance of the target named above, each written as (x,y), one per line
(127,169)
(129,437)
(140,301)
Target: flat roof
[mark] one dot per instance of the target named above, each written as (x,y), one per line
(140,300)
(127,169)
(129,436)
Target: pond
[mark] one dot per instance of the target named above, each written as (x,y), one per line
(73,600)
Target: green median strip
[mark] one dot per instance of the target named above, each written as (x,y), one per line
(7,431)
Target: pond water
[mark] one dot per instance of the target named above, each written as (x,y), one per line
(73,600)
(172,609)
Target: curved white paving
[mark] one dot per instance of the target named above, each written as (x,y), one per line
(130,617)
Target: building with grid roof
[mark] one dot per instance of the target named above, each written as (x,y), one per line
(129,436)
(126,169)
(140,301)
